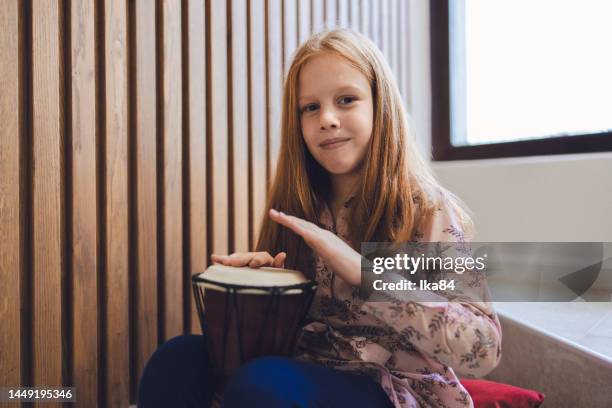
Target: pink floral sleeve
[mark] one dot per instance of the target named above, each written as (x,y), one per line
(463,335)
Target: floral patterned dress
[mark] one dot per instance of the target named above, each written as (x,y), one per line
(415,351)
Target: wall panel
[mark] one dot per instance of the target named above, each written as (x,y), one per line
(385,28)
(239,69)
(304,20)
(116,274)
(138,137)
(404,61)
(343,7)
(365,14)
(195,87)
(274,79)
(393,36)
(375,23)
(317,16)
(331,8)
(218,152)
(12,183)
(355,15)
(290,32)
(171,169)
(144,184)
(84,202)
(257,112)
(50,335)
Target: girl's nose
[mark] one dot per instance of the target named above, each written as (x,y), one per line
(329,120)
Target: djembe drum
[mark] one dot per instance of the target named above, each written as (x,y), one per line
(247,313)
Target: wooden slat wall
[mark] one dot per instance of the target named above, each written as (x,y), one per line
(331,8)
(257,112)
(137,138)
(12,202)
(239,127)
(303,20)
(317,15)
(403,72)
(171,206)
(375,31)
(115,336)
(50,333)
(290,32)
(218,157)
(83,245)
(195,147)
(274,80)
(343,11)
(144,218)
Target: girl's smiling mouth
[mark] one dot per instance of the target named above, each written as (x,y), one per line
(334,142)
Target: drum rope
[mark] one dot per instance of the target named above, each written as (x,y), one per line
(234,296)
(226,327)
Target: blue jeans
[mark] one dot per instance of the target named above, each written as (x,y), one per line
(178,374)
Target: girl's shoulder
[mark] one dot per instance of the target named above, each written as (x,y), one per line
(442,217)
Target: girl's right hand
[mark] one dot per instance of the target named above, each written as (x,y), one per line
(251,259)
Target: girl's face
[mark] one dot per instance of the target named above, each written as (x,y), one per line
(336,112)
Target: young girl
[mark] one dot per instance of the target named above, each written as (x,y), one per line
(348,172)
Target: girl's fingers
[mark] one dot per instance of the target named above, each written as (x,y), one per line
(250,259)
(260,259)
(279,260)
(217,259)
(302,224)
(240,258)
(297,225)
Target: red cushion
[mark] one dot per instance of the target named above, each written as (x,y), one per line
(489,394)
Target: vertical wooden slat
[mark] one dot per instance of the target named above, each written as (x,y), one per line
(393,37)
(172,170)
(275,80)
(84,222)
(257,131)
(116,285)
(365,17)
(354,14)
(291,35)
(375,22)
(303,20)
(240,126)
(48,202)
(11,202)
(330,14)
(384,27)
(318,15)
(343,13)
(217,112)
(196,93)
(145,145)
(404,45)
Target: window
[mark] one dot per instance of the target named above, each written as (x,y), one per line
(519,78)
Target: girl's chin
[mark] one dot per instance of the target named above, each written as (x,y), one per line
(340,170)
(342,167)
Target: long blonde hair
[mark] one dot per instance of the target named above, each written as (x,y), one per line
(398,190)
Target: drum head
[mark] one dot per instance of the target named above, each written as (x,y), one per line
(250,280)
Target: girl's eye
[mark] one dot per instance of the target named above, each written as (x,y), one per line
(310,107)
(346,100)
